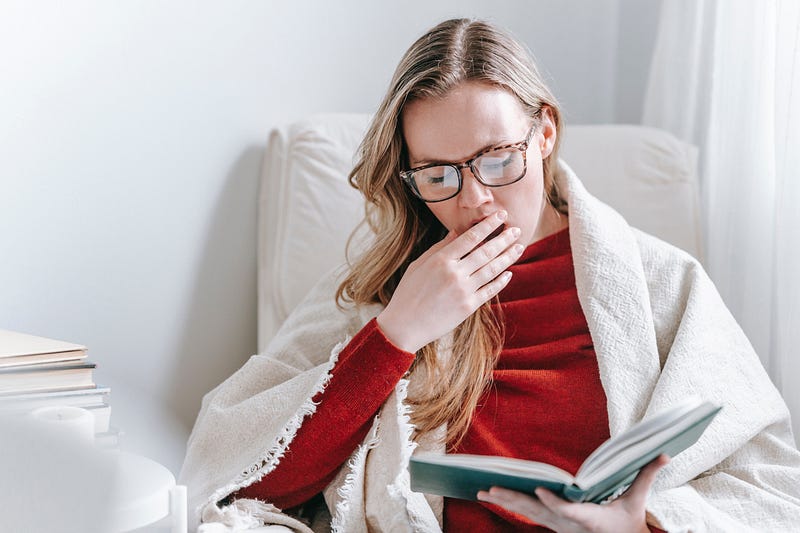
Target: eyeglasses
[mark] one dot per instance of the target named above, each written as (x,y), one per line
(494,167)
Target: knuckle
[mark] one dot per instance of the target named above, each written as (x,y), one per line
(473,235)
(503,246)
(451,276)
(508,261)
(483,255)
(464,306)
(499,248)
(488,291)
(464,294)
(440,263)
(497,285)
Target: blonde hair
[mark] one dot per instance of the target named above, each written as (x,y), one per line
(453,52)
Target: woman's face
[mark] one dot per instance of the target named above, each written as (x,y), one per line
(470,118)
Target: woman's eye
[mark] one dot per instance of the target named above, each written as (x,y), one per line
(435,180)
(503,160)
(497,160)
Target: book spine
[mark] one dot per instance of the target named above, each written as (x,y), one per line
(574,493)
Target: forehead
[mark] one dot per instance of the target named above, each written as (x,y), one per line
(467,119)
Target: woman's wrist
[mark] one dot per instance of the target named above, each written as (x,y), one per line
(394,334)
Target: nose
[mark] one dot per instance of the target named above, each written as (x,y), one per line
(473,193)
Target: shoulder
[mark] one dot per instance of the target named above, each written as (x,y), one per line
(677,285)
(663,262)
(673,275)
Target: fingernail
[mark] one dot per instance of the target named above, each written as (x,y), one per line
(518,248)
(515,232)
(501,215)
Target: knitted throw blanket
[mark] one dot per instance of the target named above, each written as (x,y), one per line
(660,331)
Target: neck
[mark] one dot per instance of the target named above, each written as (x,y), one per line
(550,221)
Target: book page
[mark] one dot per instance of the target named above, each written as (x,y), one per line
(672,439)
(637,433)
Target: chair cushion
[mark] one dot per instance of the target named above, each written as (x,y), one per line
(646,174)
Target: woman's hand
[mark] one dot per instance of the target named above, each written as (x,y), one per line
(448,283)
(625,514)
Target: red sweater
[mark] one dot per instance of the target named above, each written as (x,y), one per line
(546,403)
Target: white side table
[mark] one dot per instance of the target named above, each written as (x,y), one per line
(146,494)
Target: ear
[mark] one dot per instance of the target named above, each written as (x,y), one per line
(546,132)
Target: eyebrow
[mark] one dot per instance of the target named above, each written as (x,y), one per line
(423,162)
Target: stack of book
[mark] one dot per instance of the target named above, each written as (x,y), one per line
(37,372)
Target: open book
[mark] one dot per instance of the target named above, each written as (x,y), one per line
(607,472)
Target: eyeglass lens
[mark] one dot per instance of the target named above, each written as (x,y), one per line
(495,168)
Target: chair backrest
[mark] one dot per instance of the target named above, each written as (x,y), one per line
(307,209)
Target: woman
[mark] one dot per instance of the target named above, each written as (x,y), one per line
(499,310)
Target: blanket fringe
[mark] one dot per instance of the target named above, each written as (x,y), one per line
(401,484)
(272,456)
(345,492)
(247,514)
(421,516)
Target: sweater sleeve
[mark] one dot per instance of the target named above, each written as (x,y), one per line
(365,374)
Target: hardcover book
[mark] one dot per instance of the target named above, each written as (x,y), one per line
(606,473)
(17,349)
(49,376)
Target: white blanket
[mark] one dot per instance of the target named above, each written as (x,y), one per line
(660,331)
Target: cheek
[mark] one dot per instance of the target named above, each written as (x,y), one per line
(527,203)
(444,214)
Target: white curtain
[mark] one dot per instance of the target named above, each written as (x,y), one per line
(725,76)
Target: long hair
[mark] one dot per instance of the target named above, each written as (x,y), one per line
(451,53)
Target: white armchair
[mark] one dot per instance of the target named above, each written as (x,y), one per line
(307,209)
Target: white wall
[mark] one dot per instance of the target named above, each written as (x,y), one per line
(131,135)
